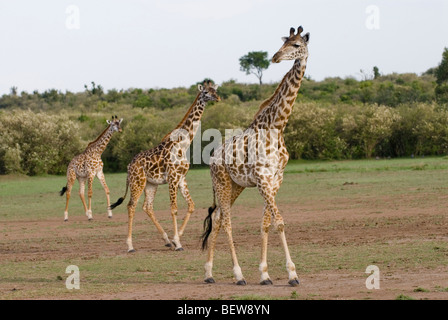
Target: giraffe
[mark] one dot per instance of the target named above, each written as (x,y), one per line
(166,164)
(87,165)
(256,169)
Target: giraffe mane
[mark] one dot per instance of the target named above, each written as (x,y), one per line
(184,118)
(96,140)
(266,103)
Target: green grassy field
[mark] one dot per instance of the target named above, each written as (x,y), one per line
(341,217)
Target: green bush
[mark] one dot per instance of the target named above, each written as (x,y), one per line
(37,143)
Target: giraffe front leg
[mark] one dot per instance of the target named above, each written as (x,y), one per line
(102,179)
(265,279)
(173,186)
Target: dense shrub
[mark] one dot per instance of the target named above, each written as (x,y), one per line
(388,116)
(37,143)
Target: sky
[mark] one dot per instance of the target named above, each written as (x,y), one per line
(122,44)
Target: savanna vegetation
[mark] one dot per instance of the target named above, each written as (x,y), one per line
(393,115)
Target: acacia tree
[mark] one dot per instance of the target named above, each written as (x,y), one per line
(254,63)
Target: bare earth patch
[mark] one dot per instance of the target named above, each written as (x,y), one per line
(332,243)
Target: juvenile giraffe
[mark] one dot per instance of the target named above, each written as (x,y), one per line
(257,168)
(87,165)
(166,163)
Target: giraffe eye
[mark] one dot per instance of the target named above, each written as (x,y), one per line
(295,45)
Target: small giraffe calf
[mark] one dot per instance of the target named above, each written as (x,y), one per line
(87,165)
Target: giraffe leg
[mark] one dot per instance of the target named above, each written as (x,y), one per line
(102,179)
(173,186)
(135,195)
(89,195)
(217,222)
(223,192)
(268,193)
(82,189)
(186,194)
(150,193)
(211,245)
(265,226)
(266,222)
(71,177)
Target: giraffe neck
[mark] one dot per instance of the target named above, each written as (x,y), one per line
(190,122)
(98,146)
(275,111)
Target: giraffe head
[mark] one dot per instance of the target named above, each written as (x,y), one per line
(208,92)
(114,124)
(295,47)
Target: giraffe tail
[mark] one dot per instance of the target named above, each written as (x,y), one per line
(61,193)
(208,223)
(120,201)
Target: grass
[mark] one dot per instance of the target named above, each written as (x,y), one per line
(364,183)
(404,297)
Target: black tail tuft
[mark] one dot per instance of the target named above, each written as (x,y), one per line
(208,223)
(116,204)
(61,193)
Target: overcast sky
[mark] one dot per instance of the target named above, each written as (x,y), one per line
(171,43)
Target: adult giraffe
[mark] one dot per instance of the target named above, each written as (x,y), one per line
(166,163)
(262,169)
(87,165)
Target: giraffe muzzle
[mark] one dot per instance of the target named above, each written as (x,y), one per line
(276,58)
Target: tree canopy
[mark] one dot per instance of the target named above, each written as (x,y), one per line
(254,63)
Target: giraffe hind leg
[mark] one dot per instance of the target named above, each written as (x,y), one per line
(148,207)
(269,198)
(186,195)
(68,190)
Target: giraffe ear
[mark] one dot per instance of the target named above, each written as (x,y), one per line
(121,120)
(200,87)
(306,37)
(215,87)
(108,121)
(284,39)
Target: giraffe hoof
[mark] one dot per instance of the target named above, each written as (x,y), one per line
(168,245)
(209,280)
(241,283)
(266,282)
(293,282)
(131,251)
(65,220)
(179,249)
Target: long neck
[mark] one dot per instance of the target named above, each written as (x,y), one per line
(275,111)
(98,146)
(190,122)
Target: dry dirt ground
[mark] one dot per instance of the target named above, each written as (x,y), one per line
(338,229)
